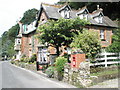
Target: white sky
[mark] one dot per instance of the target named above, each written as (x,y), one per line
(12,10)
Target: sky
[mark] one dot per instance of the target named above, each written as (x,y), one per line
(12,10)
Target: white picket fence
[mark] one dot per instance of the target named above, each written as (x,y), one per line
(107,59)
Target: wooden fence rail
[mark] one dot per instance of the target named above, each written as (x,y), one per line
(107,59)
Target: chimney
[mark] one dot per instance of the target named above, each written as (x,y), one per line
(98,7)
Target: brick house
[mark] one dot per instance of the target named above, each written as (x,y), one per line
(99,23)
(25,42)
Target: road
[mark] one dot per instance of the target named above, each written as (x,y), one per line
(14,77)
(0,75)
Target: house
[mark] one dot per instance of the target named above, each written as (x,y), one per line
(29,44)
(99,23)
(25,42)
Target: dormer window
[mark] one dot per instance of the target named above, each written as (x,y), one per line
(65,11)
(98,16)
(83,13)
(100,19)
(25,28)
(83,16)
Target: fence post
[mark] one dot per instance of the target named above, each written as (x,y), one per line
(105,59)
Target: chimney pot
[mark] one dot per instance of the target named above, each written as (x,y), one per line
(98,7)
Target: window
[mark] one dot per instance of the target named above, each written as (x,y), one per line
(18,41)
(100,19)
(43,19)
(85,16)
(102,34)
(66,13)
(30,41)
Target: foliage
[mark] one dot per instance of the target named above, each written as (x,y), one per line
(115,46)
(88,42)
(60,63)
(50,71)
(8,37)
(60,31)
(12,61)
(13,31)
(33,58)
(29,16)
(107,72)
(24,60)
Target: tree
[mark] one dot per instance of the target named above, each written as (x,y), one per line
(88,42)
(8,37)
(13,31)
(29,16)
(115,46)
(60,31)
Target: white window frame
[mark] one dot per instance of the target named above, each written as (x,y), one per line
(66,13)
(102,34)
(100,19)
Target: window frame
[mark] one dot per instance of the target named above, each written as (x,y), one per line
(102,34)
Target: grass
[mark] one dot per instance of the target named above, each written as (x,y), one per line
(108,72)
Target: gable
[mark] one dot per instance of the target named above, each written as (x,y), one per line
(66,7)
(53,12)
(65,11)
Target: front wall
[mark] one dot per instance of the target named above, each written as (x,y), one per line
(43,16)
(25,46)
(108,35)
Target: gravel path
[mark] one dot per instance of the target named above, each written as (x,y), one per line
(113,83)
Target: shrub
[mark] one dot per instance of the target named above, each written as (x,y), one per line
(12,62)
(60,63)
(33,58)
(24,59)
(50,71)
(88,42)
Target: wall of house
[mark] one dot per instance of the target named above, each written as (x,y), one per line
(43,17)
(107,33)
(29,44)
(25,46)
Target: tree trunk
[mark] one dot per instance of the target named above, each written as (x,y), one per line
(57,48)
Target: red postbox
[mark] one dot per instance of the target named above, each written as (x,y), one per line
(74,62)
(76,59)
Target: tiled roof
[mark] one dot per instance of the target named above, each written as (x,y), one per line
(52,12)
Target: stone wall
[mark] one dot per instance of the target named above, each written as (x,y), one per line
(78,77)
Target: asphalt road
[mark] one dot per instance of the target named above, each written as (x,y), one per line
(0,75)
(14,77)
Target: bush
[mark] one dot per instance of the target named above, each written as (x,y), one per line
(33,58)
(12,62)
(24,59)
(60,63)
(50,71)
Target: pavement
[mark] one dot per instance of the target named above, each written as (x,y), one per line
(16,77)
